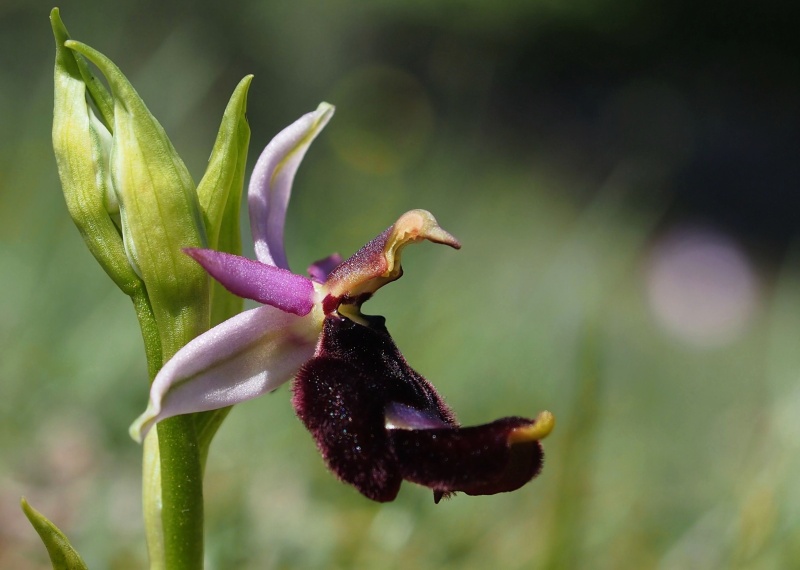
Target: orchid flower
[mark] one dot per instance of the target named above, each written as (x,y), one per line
(375,420)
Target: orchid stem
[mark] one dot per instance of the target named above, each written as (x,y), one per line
(181,493)
(147,322)
(172,483)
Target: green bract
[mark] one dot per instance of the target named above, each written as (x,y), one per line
(220,193)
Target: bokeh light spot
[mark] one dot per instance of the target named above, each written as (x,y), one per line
(701,286)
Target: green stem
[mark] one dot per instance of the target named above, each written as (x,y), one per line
(181,493)
(147,322)
(151,468)
(172,483)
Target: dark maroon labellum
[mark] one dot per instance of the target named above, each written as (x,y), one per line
(342,396)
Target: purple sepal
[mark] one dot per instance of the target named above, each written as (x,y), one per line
(279,288)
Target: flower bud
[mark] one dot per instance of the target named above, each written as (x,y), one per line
(159,210)
(82,146)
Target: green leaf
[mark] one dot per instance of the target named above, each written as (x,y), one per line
(62,555)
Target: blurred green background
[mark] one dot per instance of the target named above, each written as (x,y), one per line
(624,180)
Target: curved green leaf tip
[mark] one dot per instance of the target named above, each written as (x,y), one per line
(62,555)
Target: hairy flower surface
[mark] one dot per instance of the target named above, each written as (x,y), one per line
(375,420)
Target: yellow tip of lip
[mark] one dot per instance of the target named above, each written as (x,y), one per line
(539,429)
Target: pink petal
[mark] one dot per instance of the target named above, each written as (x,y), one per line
(246,356)
(271,183)
(250,279)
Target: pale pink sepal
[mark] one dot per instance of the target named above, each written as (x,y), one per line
(248,355)
(271,183)
(257,281)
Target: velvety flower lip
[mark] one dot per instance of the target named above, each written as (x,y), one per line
(377,422)
(479,460)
